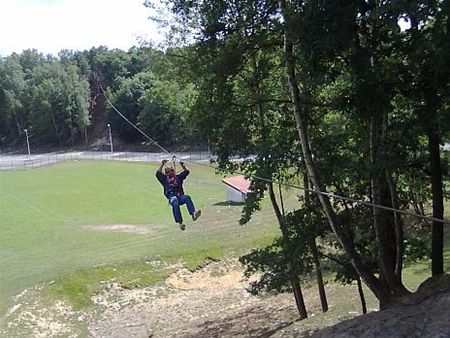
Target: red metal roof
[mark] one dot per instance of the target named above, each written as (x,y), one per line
(238,183)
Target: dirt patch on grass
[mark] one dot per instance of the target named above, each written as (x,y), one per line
(210,302)
(32,316)
(213,276)
(127,228)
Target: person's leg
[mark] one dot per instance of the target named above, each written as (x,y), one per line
(186,199)
(175,203)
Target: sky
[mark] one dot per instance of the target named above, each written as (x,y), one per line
(52,25)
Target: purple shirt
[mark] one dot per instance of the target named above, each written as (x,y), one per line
(173,186)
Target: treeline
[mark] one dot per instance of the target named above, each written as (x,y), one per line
(351,97)
(59,100)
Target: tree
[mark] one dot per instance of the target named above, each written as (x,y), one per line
(238,111)
(12,87)
(352,47)
(367,50)
(58,104)
(45,96)
(427,51)
(299,113)
(127,100)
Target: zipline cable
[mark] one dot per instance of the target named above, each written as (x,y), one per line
(331,195)
(125,118)
(318,192)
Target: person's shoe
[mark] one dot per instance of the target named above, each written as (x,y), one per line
(196,215)
(182,226)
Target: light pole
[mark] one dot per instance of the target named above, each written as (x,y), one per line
(110,138)
(28,142)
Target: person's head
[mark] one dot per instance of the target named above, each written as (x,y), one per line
(169,171)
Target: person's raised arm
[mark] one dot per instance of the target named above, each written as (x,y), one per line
(185,171)
(163,162)
(183,165)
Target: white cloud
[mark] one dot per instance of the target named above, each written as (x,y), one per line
(52,25)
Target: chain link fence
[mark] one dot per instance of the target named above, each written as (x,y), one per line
(22,162)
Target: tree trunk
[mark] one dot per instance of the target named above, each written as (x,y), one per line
(295,281)
(398,227)
(361,295)
(437,238)
(383,220)
(369,278)
(72,137)
(358,281)
(437,230)
(55,125)
(315,252)
(319,277)
(18,123)
(300,302)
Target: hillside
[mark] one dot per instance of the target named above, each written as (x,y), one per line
(213,302)
(430,318)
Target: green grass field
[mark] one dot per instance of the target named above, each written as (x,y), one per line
(54,223)
(76,224)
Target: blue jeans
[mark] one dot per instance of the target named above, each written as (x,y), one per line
(175,202)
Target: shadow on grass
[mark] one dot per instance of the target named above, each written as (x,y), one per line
(252,323)
(226,203)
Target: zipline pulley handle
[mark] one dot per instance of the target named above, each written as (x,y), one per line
(174,158)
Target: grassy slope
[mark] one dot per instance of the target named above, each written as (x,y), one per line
(47,216)
(44,236)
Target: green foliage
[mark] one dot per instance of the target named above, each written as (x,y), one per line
(56,98)
(59,98)
(277,263)
(416,248)
(164,109)
(365,85)
(12,85)
(288,255)
(127,100)
(48,97)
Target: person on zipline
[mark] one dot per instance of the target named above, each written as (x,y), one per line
(173,190)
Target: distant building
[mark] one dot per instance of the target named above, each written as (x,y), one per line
(237,188)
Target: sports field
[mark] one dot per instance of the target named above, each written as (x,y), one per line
(68,228)
(74,224)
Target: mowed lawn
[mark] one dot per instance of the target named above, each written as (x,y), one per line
(83,222)
(57,220)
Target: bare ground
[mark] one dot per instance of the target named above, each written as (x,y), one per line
(213,302)
(127,228)
(210,302)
